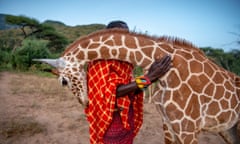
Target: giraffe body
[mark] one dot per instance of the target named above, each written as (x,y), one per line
(195,95)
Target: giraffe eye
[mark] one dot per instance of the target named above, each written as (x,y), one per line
(64,82)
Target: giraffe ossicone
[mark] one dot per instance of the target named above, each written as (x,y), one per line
(195,95)
(57,63)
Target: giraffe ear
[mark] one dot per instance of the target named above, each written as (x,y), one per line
(57,63)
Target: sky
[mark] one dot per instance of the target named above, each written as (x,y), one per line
(205,23)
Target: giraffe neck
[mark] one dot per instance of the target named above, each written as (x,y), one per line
(136,49)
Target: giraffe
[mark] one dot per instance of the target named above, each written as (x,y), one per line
(195,95)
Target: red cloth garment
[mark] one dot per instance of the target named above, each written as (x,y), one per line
(116,133)
(103,78)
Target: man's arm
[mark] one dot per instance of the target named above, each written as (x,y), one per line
(157,70)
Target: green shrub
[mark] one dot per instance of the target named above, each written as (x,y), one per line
(30,49)
(4,58)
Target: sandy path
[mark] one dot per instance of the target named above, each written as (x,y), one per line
(36,110)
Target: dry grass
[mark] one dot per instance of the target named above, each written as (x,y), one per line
(36,109)
(21,127)
(32,84)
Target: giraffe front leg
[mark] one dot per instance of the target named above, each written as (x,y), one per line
(177,137)
(168,136)
(190,138)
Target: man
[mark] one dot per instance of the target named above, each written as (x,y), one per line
(115,110)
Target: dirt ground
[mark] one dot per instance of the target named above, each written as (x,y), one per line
(37,110)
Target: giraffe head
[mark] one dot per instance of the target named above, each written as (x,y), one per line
(70,74)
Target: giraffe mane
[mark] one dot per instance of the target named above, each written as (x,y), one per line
(106,31)
(179,42)
(86,37)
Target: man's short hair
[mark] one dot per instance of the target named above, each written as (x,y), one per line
(117,24)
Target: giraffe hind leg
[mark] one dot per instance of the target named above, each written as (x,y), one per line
(231,136)
(237,83)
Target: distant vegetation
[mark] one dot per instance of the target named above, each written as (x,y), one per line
(23,38)
(228,60)
(28,39)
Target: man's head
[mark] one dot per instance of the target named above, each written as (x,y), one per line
(117,24)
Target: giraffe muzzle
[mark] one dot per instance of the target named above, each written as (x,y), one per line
(64,82)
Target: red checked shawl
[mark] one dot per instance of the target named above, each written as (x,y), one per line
(103,78)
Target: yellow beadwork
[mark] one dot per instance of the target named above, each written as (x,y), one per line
(142,82)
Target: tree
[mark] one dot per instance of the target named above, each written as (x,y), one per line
(31,27)
(228,60)
(237,34)
(24,22)
(235,65)
(217,55)
(57,42)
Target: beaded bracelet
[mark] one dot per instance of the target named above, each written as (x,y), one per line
(142,82)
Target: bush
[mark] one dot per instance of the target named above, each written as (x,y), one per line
(5,58)
(30,49)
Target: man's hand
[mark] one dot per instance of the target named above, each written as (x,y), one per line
(159,68)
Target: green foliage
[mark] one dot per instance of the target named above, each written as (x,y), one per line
(235,61)
(4,25)
(72,33)
(32,28)
(54,23)
(30,49)
(228,60)
(24,22)
(8,43)
(9,39)
(57,42)
(18,46)
(4,59)
(21,20)
(217,55)
(137,71)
